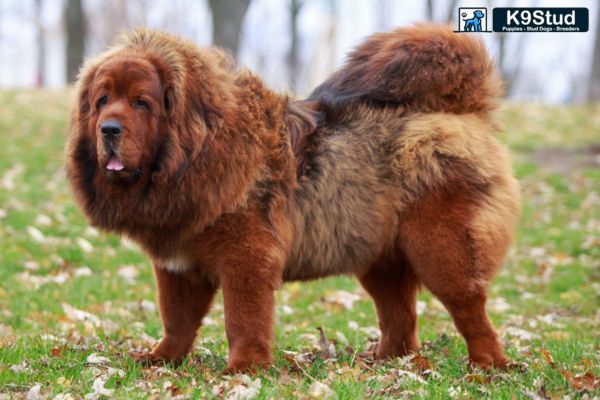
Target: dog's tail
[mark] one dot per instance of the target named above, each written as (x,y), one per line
(424,68)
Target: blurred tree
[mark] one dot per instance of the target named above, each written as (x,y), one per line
(594,91)
(75,27)
(383,14)
(510,64)
(227,18)
(40,76)
(446,14)
(293,54)
(119,19)
(322,62)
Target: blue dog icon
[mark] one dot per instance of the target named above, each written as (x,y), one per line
(474,24)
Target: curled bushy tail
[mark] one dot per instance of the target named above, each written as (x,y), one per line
(425,67)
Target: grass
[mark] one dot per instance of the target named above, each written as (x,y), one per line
(74,301)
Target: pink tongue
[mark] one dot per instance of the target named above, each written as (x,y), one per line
(114,165)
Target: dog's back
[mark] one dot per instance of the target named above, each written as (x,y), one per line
(406,116)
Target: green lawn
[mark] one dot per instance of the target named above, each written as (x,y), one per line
(74,301)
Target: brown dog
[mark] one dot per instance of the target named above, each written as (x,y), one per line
(389,171)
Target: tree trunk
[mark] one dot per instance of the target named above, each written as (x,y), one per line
(227,18)
(452,11)
(594,91)
(383,14)
(40,77)
(293,56)
(448,15)
(75,27)
(429,10)
(510,65)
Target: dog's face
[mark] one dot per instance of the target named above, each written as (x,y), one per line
(128,106)
(478,14)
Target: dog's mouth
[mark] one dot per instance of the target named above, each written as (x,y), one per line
(114,164)
(116,171)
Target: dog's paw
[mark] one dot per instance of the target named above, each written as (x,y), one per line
(150,358)
(243,367)
(489,364)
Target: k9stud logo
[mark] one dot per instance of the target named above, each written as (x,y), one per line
(541,19)
(523,19)
(472,19)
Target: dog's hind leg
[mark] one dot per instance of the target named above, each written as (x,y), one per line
(455,245)
(394,288)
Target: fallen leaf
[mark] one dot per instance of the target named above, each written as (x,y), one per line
(407,375)
(521,333)
(246,389)
(95,359)
(21,368)
(287,310)
(499,304)
(421,363)
(74,314)
(327,348)
(341,338)
(587,362)
(421,306)
(64,396)
(342,298)
(43,220)
(83,271)
(99,389)
(62,381)
(571,296)
(34,393)
(579,382)
(31,265)
(477,378)
(294,358)
(547,357)
(320,390)
(129,273)
(36,234)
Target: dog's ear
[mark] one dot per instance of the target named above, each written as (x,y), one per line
(84,89)
(84,100)
(169,100)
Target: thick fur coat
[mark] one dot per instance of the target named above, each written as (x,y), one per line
(388,171)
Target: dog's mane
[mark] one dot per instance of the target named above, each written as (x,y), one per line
(223,119)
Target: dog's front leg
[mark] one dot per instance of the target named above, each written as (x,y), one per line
(249,309)
(184,299)
(250,267)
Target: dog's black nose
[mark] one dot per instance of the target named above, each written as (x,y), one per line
(111,128)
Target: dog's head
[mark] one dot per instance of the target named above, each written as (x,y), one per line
(478,14)
(142,112)
(127,104)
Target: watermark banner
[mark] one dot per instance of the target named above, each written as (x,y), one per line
(538,19)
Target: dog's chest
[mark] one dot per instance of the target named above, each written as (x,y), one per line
(177,264)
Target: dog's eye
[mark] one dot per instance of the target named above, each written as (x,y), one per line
(101,101)
(141,104)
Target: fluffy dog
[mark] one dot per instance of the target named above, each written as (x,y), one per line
(389,171)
